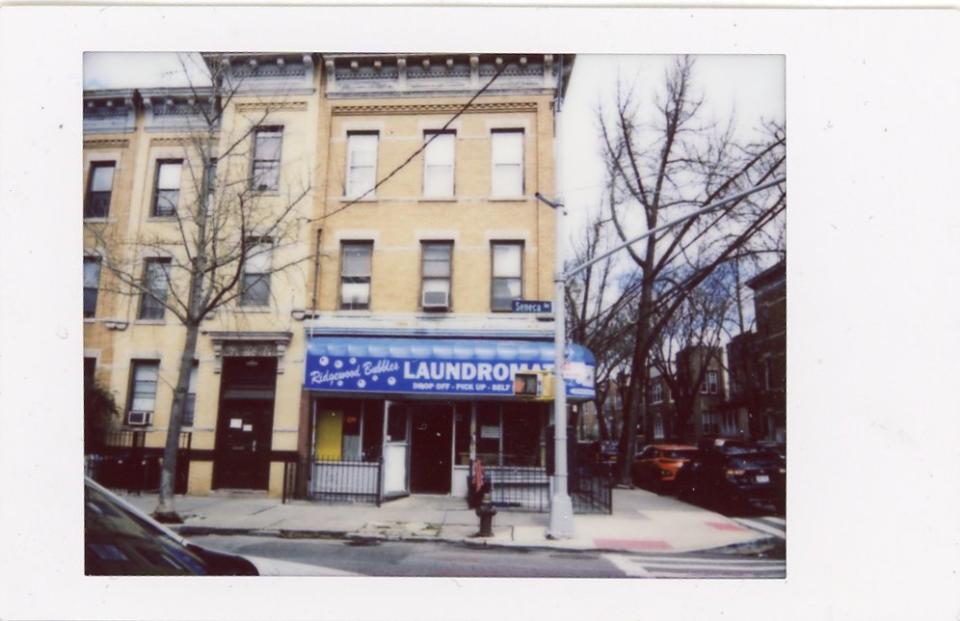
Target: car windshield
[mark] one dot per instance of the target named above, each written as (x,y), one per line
(680,454)
(119,542)
(754,461)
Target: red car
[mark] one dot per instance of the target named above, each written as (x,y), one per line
(657,465)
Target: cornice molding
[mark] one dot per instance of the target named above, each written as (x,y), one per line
(444,108)
(253,106)
(169,141)
(104,143)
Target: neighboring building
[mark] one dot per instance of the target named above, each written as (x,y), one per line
(398,342)
(689,403)
(757,360)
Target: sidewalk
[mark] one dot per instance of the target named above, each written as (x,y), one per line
(641,522)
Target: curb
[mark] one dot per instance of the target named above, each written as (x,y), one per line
(756,546)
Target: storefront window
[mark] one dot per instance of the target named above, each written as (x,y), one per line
(521,435)
(462,440)
(351,433)
(372,430)
(488,433)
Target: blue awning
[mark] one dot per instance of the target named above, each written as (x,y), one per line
(424,366)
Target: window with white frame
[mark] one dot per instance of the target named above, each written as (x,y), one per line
(91,285)
(190,408)
(143,385)
(437,260)
(507,275)
(156,280)
(267,146)
(713,382)
(656,392)
(507,163)
(166,193)
(257,265)
(99,190)
(361,164)
(438,164)
(355,272)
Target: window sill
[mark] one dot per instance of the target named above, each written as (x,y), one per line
(366,199)
(89,320)
(150,322)
(507,199)
(437,199)
(161,218)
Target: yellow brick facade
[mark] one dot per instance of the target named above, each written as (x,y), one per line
(313,162)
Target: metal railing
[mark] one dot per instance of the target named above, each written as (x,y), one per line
(125,462)
(338,480)
(520,488)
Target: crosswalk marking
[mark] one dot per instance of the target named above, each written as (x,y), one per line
(646,566)
(761,525)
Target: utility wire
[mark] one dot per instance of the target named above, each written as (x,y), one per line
(420,150)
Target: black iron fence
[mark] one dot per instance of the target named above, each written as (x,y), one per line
(338,480)
(528,489)
(591,490)
(124,462)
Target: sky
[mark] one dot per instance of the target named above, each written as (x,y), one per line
(749,87)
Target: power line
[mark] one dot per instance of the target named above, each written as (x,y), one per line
(420,150)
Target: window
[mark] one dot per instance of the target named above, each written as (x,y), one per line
(99,190)
(166,194)
(267,145)
(189,411)
(507,279)
(156,277)
(91,283)
(656,393)
(211,181)
(143,389)
(438,164)
(256,273)
(713,382)
(507,163)
(488,433)
(521,435)
(361,164)
(89,368)
(355,264)
(437,259)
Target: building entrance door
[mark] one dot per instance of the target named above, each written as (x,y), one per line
(431,450)
(243,444)
(396,449)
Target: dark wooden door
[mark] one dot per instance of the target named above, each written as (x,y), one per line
(432,433)
(243,445)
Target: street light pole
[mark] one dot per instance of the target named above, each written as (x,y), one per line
(561,507)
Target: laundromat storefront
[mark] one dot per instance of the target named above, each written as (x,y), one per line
(412,414)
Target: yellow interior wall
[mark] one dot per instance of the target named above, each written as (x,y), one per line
(329,434)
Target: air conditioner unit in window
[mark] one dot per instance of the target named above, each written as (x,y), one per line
(436,299)
(139,418)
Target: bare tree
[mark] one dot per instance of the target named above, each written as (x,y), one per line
(662,165)
(598,312)
(221,222)
(690,343)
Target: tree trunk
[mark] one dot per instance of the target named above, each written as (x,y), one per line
(165,511)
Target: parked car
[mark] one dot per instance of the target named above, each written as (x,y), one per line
(734,478)
(120,540)
(657,465)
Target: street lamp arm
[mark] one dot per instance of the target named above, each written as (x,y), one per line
(715,205)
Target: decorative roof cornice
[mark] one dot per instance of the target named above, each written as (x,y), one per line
(440,108)
(251,106)
(105,143)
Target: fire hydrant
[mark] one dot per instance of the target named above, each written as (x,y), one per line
(486,512)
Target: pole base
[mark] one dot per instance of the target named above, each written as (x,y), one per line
(561,517)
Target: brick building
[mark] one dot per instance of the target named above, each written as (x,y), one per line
(396,343)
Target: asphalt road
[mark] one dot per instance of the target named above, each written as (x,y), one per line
(449,560)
